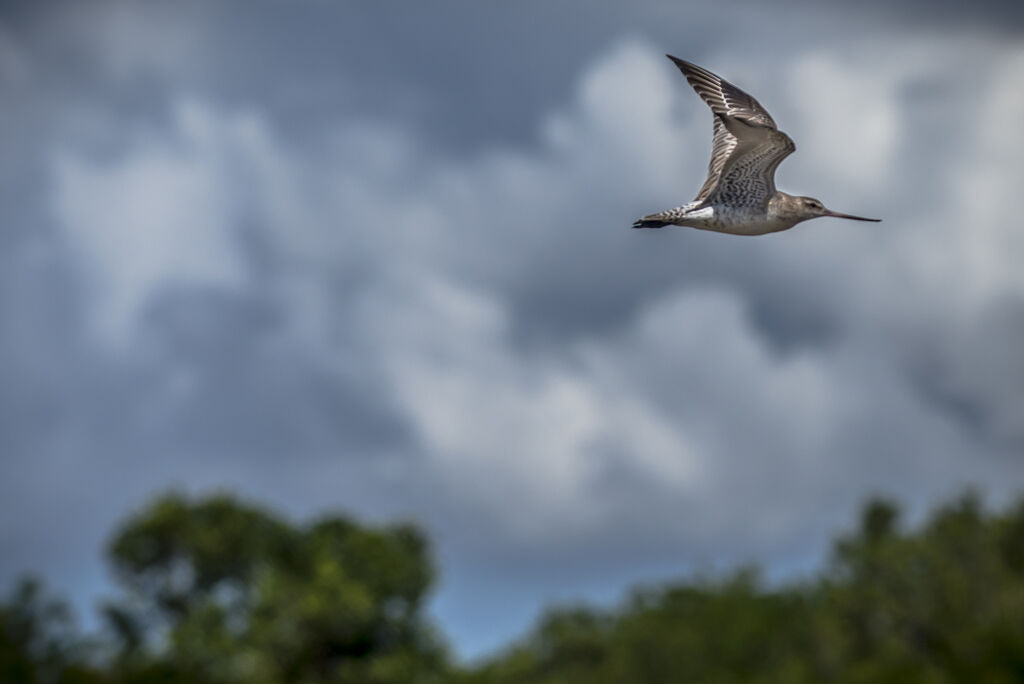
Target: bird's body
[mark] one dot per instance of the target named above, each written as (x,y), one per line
(739,195)
(722,218)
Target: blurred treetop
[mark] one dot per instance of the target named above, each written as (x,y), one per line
(218,590)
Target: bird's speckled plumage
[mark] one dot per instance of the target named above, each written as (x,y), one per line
(739,195)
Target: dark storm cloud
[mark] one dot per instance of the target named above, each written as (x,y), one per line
(408,61)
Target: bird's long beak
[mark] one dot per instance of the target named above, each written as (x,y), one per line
(829,212)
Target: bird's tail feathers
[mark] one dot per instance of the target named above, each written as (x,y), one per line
(649,223)
(664,218)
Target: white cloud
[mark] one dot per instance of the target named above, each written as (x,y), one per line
(520,439)
(850,122)
(162,215)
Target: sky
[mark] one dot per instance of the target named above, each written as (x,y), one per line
(376,258)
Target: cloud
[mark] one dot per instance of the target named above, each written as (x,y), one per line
(855,139)
(161,214)
(502,429)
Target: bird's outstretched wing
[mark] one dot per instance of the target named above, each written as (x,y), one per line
(746,148)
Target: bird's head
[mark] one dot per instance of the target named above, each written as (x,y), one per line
(805,208)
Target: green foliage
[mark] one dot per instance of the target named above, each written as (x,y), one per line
(944,604)
(37,639)
(220,591)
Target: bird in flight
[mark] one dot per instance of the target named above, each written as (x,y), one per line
(739,195)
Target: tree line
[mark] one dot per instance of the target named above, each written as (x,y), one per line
(221,590)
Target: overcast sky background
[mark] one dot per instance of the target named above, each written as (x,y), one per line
(376,257)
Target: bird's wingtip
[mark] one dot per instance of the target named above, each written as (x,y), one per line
(684,66)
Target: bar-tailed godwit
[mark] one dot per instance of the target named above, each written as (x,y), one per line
(739,195)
